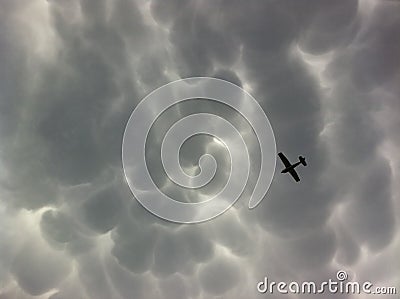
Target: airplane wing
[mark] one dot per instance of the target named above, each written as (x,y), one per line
(294,175)
(285,161)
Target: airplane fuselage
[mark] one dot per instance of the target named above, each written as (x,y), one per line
(293,166)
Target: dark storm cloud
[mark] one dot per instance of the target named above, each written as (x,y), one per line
(218,277)
(134,245)
(325,72)
(325,24)
(371,214)
(38,270)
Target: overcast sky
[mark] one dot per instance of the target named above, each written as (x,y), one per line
(327,74)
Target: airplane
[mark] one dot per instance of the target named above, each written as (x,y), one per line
(291,167)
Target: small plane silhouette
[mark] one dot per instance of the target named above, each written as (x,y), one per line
(291,167)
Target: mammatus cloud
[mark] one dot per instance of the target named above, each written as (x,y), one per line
(326,74)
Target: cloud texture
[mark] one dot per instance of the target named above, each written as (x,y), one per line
(327,74)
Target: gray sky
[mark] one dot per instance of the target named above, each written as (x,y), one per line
(327,74)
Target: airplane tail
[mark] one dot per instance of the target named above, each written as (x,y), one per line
(303,160)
